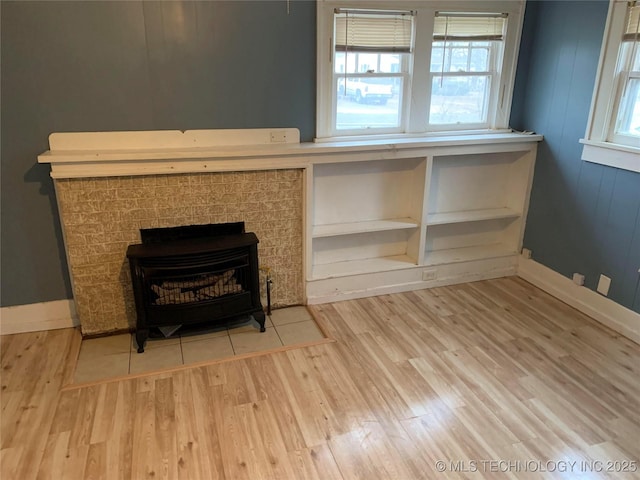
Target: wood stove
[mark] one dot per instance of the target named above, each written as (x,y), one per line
(194,275)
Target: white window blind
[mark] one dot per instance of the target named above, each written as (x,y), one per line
(468,26)
(633,23)
(371,31)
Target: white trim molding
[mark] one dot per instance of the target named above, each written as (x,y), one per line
(602,144)
(35,317)
(623,320)
(61,313)
(612,155)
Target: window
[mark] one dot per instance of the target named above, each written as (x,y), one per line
(626,128)
(613,132)
(415,70)
(371,63)
(464,53)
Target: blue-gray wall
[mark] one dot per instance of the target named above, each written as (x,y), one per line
(99,66)
(91,66)
(583,217)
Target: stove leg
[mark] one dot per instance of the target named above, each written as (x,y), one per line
(141,337)
(259,317)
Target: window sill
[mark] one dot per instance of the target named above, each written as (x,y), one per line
(365,139)
(611,155)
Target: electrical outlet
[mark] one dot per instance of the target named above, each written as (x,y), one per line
(603,285)
(278,136)
(526,253)
(578,279)
(429,274)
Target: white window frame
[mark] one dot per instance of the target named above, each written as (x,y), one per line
(403,74)
(600,145)
(492,95)
(416,103)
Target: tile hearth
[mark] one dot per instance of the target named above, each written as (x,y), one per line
(116,356)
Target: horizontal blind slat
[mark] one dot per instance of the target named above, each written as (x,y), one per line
(632,29)
(362,32)
(476,27)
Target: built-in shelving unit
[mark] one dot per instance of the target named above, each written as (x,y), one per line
(441,216)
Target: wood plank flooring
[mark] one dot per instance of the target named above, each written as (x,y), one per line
(493,379)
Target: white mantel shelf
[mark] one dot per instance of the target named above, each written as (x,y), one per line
(104,154)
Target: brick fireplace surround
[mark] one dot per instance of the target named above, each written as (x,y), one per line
(102,215)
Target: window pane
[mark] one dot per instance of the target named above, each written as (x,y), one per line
(480,59)
(636,60)
(341,66)
(437,54)
(390,63)
(458,99)
(367,62)
(371,102)
(629,113)
(364,62)
(459,60)
(460,56)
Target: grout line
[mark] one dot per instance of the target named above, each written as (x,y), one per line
(297,321)
(130,350)
(279,337)
(233,349)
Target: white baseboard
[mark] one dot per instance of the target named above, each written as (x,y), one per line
(381,283)
(61,313)
(623,320)
(38,316)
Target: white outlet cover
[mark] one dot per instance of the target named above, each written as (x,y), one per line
(278,136)
(603,285)
(430,274)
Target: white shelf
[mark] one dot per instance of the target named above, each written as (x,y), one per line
(466,254)
(335,229)
(356,267)
(471,216)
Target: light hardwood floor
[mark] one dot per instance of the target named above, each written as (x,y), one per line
(494,372)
